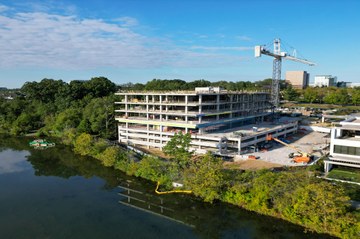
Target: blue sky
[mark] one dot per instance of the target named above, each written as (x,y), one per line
(139,40)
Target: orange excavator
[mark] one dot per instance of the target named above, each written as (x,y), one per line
(299,157)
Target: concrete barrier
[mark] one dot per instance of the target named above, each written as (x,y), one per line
(315,128)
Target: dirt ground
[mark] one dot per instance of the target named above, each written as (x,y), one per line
(251,165)
(277,156)
(309,142)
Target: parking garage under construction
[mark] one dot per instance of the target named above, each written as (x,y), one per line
(224,122)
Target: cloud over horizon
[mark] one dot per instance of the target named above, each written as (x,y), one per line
(47,40)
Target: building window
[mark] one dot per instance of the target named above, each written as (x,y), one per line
(340,149)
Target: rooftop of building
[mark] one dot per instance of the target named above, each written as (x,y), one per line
(352,123)
(196,91)
(251,130)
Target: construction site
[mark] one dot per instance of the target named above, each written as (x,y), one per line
(227,123)
(243,127)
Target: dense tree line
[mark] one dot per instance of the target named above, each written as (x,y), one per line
(328,95)
(166,85)
(54,106)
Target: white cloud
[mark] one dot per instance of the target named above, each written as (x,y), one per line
(127,21)
(244,38)
(4,8)
(223,48)
(38,39)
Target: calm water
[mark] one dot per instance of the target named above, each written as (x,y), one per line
(53,193)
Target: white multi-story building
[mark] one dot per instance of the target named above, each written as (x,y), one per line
(211,115)
(325,81)
(345,144)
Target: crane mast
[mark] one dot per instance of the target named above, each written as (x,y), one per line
(276,76)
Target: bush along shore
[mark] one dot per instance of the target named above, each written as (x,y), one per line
(293,195)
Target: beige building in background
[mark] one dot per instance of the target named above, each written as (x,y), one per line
(298,79)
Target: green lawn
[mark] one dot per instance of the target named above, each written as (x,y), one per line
(322,106)
(348,174)
(345,174)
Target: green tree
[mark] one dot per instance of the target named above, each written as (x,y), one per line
(83,144)
(311,95)
(178,148)
(69,136)
(100,87)
(23,124)
(151,168)
(69,118)
(45,91)
(321,205)
(99,117)
(355,96)
(337,96)
(109,156)
(290,94)
(205,178)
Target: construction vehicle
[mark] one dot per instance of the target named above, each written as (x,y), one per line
(299,157)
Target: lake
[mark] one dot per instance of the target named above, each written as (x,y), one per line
(54,193)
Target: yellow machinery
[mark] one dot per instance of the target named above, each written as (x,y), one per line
(301,157)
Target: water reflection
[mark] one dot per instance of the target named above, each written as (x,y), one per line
(207,220)
(10,163)
(72,204)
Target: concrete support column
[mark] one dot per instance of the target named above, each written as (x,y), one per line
(186,130)
(217,106)
(119,140)
(186,107)
(231,106)
(127,130)
(327,167)
(147,133)
(147,106)
(332,137)
(160,106)
(239,146)
(126,106)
